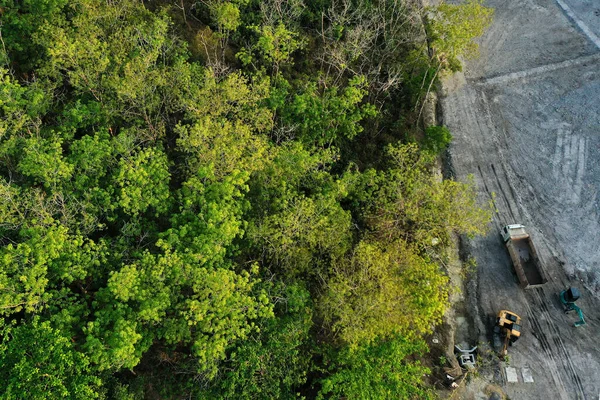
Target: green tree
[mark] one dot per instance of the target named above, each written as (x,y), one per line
(382,290)
(289,170)
(452,29)
(274,47)
(226,15)
(23,19)
(40,362)
(208,221)
(44,163)
(219,148)
(323,118)
(143,180)
(437,139)
(271,363)
(21,106)
(24,276)
(121,56)
(305,235)
(414,205)
(382,370)
(165,297)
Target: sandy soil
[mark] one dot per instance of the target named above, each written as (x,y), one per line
(525,117)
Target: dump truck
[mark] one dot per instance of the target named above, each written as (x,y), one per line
(525,259)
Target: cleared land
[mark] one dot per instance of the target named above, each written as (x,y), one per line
(525,117)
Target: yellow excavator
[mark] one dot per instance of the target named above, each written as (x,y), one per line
(506,331)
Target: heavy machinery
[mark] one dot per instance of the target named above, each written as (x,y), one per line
(506,331)
(568,298)
(466,358)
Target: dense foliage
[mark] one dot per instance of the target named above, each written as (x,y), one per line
(220,199)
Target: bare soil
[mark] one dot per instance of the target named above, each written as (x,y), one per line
(525,117)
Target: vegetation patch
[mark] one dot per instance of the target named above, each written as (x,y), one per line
(216,199)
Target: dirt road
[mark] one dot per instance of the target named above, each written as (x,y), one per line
(525,117)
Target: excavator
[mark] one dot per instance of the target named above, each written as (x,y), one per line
(568,298)
(506,331)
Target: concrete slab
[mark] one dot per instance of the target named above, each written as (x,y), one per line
(511,375)
(527,377)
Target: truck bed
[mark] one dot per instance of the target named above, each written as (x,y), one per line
(528,260)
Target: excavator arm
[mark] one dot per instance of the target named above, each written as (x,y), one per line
(580,313)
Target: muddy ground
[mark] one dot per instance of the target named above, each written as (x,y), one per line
(525,117)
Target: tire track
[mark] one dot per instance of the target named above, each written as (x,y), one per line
(518,118)
(536,71)
(474,116)
(539,334)
(484,126)
(584,28)
(515,210)
(508,203)
(470,122)
(538,297)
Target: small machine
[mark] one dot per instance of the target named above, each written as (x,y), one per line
(506,331)
(568,298)
(466,358)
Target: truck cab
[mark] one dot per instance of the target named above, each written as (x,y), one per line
(514,231)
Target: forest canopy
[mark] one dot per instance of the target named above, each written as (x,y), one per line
(225,199)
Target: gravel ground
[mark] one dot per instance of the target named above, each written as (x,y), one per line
(525,117)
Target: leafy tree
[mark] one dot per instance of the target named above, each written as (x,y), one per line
(217,149)
(324,118)
(437,138)
(208,221)
(226,15)
(113,340)
(384,289)
(383,370)
(274,47)
(20,105)
(167,298)
(11,217)
(23,19)
(290,169)
(40,362)
(44,163)
(92,157)
(234,97)
(94,160)
(451,29)
(416,206)
(271,363)
(121,56)
(143,180)
(304,233)
(24,278)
